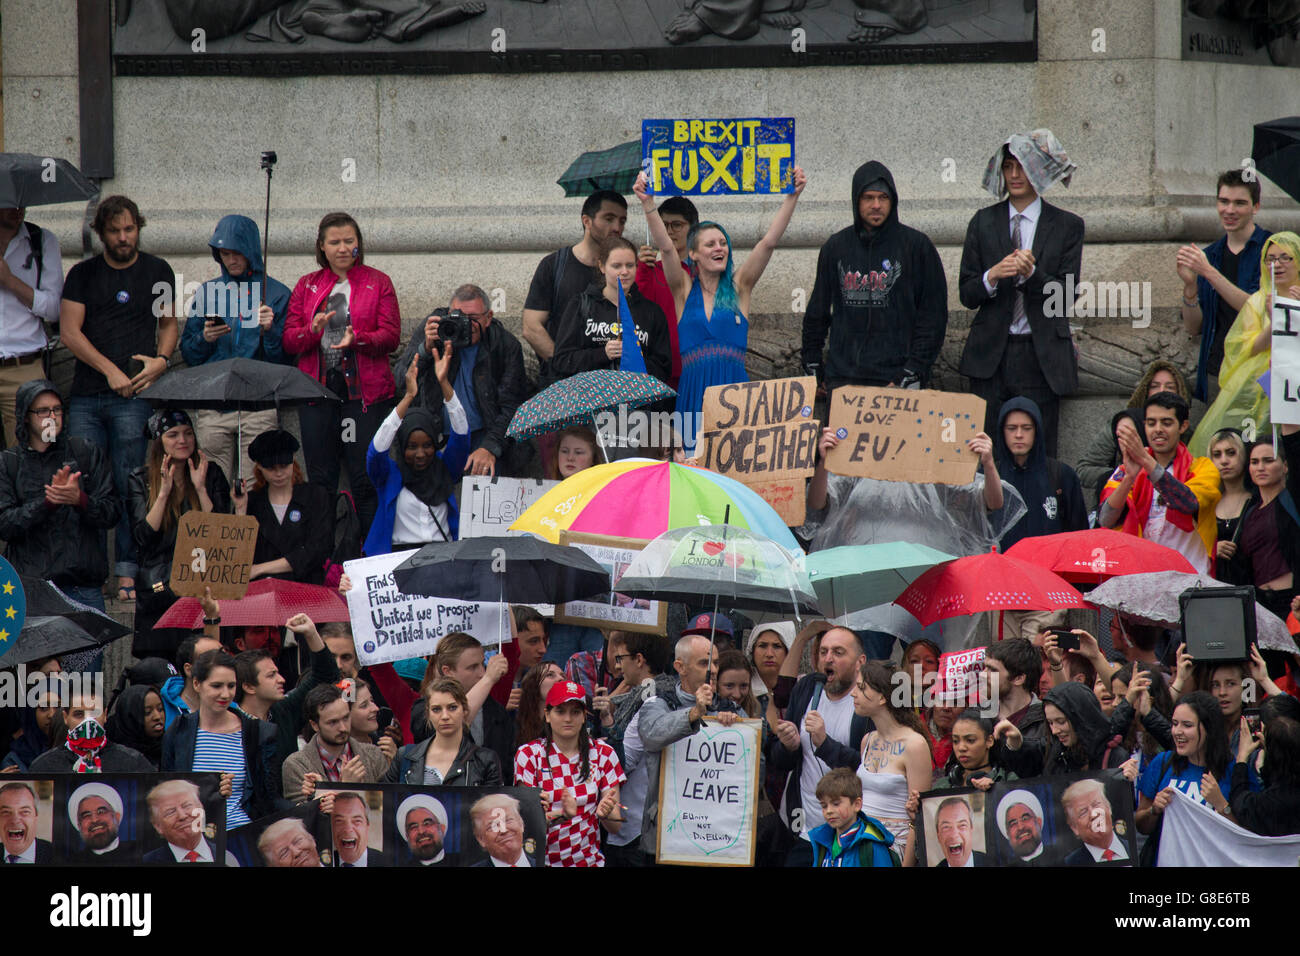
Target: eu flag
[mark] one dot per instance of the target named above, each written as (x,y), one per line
(632,360)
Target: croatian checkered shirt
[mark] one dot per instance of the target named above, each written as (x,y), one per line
(576,841)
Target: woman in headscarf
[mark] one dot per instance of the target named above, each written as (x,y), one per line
(138,722)
(1247,348)
(414,480)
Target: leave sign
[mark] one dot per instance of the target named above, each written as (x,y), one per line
(695,157)
(708,796)
(904,434)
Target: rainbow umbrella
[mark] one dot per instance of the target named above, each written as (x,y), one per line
(639,498)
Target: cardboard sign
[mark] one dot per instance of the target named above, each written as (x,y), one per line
(489,506)
(760,431)
(695,157)
(904,435)
(1284,396)
(213,551)
(788,498)
(708,796)
(612,610)
(388,625)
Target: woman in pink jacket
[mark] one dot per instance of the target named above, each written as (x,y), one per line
(343,324)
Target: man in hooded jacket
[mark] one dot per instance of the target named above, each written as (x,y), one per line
(239,314)
(881,292)
(56,498)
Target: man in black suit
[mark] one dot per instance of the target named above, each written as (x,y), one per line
(955,828)
(18,815)
(95,810)
(1014,267)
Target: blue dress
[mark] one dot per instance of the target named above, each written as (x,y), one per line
(713,353)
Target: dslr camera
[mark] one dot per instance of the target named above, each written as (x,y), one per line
(455,328)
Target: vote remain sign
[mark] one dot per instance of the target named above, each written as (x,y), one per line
(904,435)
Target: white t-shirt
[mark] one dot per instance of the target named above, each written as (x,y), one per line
(1162,531)
(838,715)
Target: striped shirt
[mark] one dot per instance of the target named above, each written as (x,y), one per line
(224,753)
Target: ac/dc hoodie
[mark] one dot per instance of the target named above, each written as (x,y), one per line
(882,294)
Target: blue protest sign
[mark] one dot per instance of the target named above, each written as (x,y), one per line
(696,157)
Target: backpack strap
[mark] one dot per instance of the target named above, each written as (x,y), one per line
(561,260)
(36,236)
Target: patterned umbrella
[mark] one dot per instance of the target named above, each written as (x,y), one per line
(638,498)
(578,399)
(268,602)
(737,567)
(1097,554)
(615,168)
(986,582)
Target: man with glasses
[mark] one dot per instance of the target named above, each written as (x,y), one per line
(56,498)
(487,377)
(1219,279)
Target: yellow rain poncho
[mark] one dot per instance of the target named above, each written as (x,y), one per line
(1242,404)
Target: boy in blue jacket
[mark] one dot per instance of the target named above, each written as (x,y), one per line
(848,837)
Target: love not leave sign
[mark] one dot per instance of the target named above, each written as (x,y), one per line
(388,625)
(708,796)
(904,435)
(694,157)
(1284,401)
(213,551)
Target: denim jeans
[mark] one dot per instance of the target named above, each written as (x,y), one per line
(116,425)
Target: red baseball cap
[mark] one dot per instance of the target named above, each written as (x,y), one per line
(564,691)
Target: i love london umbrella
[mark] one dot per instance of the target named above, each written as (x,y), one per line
(578,399)
(268,602)
(986,582)
(1097,554)
(643,499)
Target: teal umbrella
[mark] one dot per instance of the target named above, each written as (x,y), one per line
(854,577)
(576,400)
(615,168)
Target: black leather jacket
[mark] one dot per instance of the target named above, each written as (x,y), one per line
(474,766)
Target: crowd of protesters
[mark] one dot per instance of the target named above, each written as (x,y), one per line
(586,718)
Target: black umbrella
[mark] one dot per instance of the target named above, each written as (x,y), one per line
(236,384)
(1276,152)
(45,600)
(46,636)
(523,570)
(30,180)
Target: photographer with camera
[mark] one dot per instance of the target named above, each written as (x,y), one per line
(487,376)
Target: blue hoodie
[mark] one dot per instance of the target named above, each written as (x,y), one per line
(234,300)
(852,850)
(173,705)
(1050,488)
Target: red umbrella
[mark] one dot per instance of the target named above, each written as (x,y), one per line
(268,602)
(1093,555)
(986,582)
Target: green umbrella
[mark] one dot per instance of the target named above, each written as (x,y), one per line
(854,577)
(615,168)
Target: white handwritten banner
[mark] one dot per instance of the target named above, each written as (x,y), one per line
(388,625)
(708,796)
(490,505)
(1285,359)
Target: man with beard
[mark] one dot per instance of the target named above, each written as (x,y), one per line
(1088,813)
(117,317)
(288,842)
(820,732)
(955,828)
(332,753)
(176,813)
(19,812)
(350,825)
(1020,818)
(422,821)
(95,809)
(499,830)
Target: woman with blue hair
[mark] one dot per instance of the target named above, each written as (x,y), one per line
(712,300)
